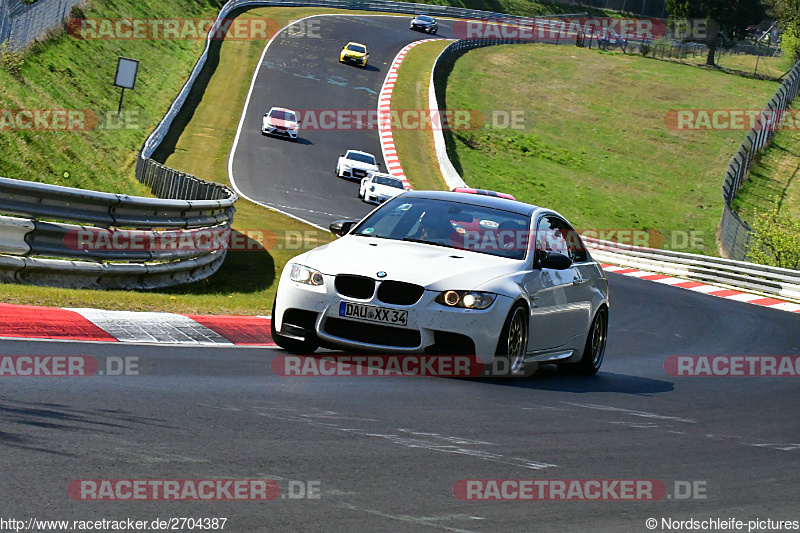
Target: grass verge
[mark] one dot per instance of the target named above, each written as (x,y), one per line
(764,67)
(67,73)
(419,161)
(774,179)
(594,142)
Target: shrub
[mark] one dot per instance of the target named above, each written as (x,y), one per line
(10,59)
(775,240)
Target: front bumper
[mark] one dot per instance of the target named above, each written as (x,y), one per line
(426,28)
(377,200)
(355,173)
(431,327)
(354,60)
(272,130)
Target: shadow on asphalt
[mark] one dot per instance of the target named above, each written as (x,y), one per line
(551,379)
(59,417)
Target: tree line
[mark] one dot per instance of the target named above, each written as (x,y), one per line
(728,20)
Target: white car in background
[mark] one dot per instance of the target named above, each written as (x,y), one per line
(439,272)
(280,121)
(379,187)
(356,164)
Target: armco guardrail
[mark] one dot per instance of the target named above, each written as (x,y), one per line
(781,282)
(734,232)
(121,241)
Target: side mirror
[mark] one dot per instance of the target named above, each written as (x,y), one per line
(341,155)
(555,261)
(341,227)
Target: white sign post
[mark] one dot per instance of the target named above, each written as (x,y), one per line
(125,77)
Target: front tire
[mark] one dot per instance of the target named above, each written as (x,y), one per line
(595,349)
(513,343)
(304,347)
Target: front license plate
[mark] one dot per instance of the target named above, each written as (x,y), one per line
(397,317)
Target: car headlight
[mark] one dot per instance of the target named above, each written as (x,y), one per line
(466,299)
(303,274)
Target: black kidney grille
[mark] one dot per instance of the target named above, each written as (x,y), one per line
(355,286)
(399,292)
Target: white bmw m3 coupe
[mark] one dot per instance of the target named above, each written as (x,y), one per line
(432,272)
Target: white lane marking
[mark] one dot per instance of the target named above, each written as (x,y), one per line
(149,327)
(429,521)
(457,440)
(631,412)
(276,206)
(422,440)
(638,425)
(782,447)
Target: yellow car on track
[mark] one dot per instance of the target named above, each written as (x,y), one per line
(355,53)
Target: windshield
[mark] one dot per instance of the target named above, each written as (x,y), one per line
(363,158)
(451,224)
(387,180)
(283,115)
(424,18)
(356,48)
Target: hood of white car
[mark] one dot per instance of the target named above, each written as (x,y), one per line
(384,190)
(352,163)
(277,122)
(433,267)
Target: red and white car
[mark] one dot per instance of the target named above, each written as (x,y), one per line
(281,121)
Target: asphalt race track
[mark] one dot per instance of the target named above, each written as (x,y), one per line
(387,452)
(304,73)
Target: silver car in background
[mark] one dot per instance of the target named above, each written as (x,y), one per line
(424,23)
